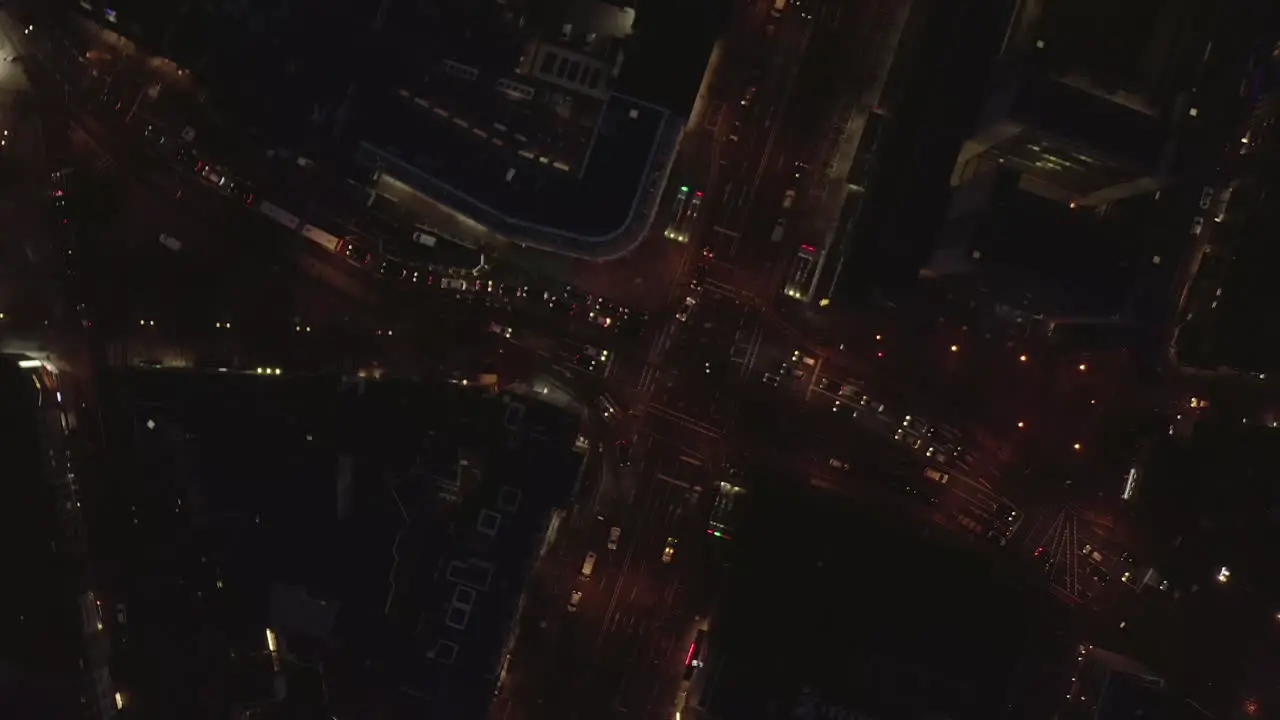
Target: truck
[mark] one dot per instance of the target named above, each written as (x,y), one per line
(328,241)
(280,215)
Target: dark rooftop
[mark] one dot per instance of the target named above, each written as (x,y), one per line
(833,608)
(383,531)
(470,173)
(38,620)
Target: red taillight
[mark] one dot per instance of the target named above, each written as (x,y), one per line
(249,200)
(688,659)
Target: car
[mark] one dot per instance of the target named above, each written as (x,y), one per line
(795,371)
(575,597)
(357,253)
(614,533)
(1197,225)
(586,362)
(669,551)
(214,175)
(453,283)
(503,330)
(709,250)
(838,464)
(624,453)
(699,277)
(997,538)
(1206,197)
(844,409)
(683,313)
(788,199)
(735,132)
(393,269)
(1101,576)
(425,237)
(908,438)
(778,230)
(770,379)
(848,390)
(598,353)
(749,95)
(828,385)
(598,318)
(512,292)
(121,616)
(588,565)
(241,191)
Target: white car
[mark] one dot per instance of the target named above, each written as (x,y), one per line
(838,464)
(598,353)
(788,199)
(683,313)
(452,283)
(1197,225)
(213,175)
(1206,197)
(575,597)
(614,534)
(503,330)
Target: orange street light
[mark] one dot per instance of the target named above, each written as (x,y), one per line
(955,348)
(1083,367)
(1022,358)
(1021,424)
(1076,447)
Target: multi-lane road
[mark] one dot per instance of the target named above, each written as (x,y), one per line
(729,383)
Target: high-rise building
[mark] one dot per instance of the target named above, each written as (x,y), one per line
(1110,686)
(1062,190)
(1078,130)
(1224,319)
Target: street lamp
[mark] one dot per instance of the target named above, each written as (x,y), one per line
(955,348)
(1021,424)
(1022,358)
(1083,367)
(1076,447)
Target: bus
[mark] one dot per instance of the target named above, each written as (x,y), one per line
(725,511)
(800,274)
(687,208)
